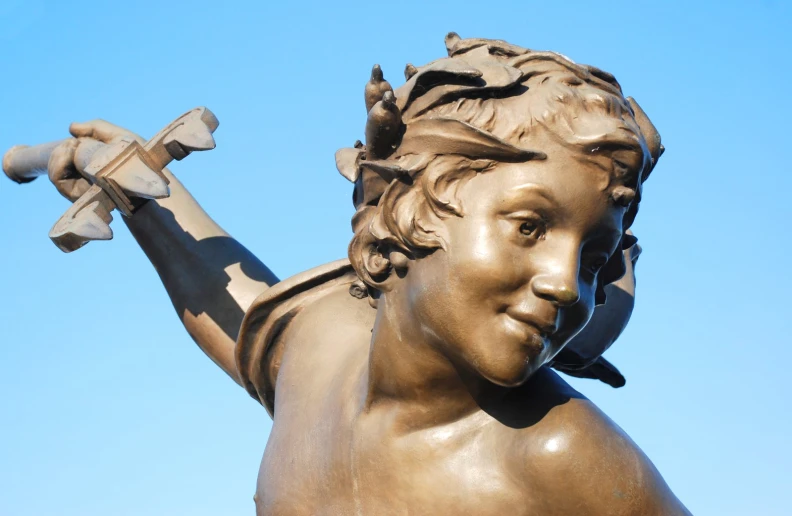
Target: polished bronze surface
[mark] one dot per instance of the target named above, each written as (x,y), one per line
(494,196)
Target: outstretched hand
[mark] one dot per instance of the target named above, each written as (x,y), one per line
(62,169)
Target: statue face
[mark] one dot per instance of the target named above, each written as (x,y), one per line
(519,274)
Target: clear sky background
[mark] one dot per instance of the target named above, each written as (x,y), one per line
(108,408)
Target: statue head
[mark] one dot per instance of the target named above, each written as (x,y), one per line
(493,195)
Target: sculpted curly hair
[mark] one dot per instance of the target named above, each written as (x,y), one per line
(459,116)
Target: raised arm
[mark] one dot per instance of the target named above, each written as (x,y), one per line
(210,277)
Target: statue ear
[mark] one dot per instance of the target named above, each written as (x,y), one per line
(399,261)
(376,264)
(385,264)
(366,254)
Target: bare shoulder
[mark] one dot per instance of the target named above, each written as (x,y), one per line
(298,325)
(587,464)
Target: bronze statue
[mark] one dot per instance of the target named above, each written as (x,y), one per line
(493,198)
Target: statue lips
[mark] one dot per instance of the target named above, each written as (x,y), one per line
(538,326)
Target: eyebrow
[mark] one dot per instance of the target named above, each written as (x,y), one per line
(617,140)
(515,192)
(600,232)
(603,147)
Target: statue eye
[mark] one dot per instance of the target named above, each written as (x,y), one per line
(596,264)
(621,164)
(599,264)
(531,228)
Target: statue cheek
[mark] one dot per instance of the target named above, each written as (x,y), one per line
(486,260)
(574,318)
(480,274)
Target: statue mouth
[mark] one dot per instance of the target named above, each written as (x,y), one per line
(534,337)
(544,327)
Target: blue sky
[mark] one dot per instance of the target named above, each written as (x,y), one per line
(108,407)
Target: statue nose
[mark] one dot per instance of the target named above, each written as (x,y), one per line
(560,291)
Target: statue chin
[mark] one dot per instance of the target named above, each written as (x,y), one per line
(512,373)
(513,380)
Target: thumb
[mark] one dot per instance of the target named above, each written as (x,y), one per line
(62,172)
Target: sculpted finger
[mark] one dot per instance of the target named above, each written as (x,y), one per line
(62,172)
(99,130)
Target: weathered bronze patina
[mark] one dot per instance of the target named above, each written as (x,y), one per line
(493,198)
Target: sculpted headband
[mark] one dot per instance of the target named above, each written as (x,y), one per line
(427,137)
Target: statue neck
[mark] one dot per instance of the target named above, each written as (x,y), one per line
(409,375)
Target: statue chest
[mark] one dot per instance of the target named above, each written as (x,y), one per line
(338,471)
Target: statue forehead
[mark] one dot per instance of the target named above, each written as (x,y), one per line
(557,186)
